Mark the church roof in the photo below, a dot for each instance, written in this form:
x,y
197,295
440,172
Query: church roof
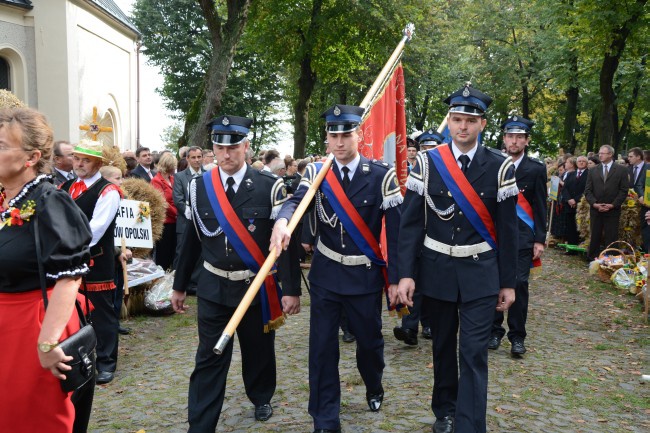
x,y
26,4
113,10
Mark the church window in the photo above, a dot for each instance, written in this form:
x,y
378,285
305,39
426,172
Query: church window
x,y
5,82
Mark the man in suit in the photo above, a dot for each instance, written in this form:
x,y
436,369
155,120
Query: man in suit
x,y
144,170
637,172
181,199
347,270
572,192
606,190
233,208
469,195
62,158
531,232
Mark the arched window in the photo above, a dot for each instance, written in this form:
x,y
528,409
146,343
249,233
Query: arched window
x,y
5,81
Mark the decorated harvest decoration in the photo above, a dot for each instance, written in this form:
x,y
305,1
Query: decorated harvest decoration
x,y
94,127
143,212
9,100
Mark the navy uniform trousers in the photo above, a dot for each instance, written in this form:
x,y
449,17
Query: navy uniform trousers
x,y
208,381
518,311
364,321
451,394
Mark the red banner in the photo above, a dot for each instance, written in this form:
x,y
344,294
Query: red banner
x,y
384,130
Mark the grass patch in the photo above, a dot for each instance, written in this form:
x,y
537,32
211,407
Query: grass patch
x,y
603,346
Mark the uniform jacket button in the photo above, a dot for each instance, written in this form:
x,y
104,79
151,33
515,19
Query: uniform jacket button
x,y
457,229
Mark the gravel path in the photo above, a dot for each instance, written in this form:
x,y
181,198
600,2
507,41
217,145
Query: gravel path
x,y
587,348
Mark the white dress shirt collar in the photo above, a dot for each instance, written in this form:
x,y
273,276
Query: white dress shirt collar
x,y
89,181
239,177
352,165
457,153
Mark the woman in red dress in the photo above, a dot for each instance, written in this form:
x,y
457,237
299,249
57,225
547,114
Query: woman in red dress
x,y
31,363
164,182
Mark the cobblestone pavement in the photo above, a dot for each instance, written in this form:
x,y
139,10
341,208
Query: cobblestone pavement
x,y
587,348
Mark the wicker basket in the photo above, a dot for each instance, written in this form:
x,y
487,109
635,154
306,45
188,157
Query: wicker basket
x,y
605,271
630,257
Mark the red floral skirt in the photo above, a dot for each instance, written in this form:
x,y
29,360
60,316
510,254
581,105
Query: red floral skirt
x,y
31,398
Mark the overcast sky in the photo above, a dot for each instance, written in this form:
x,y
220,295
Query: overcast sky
x,y
154,117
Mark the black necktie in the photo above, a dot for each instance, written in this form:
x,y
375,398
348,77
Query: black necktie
x,y
346,179
464,162
579,174
230,191
636,172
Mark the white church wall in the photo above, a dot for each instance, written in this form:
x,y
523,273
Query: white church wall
x,y
84,59
105,60
17,48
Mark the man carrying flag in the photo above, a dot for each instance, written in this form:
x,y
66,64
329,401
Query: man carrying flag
x,y
232,210
531,210
348,272
463,254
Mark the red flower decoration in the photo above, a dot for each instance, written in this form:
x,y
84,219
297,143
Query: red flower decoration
x,y
15,217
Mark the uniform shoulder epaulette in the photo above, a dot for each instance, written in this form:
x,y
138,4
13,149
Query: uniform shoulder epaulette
x,y
380,163
278,197
496,152
415,180
309,176
390,190
268,174
536,160
507,182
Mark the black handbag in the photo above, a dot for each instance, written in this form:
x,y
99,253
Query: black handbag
x,y
81,345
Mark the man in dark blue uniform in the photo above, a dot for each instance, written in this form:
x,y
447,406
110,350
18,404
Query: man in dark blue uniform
x,y
531,182
454,236
429,139
344,275
255,198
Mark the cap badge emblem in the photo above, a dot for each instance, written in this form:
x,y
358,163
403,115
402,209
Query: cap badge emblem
x,y
514,118
225,121
466,92
337,111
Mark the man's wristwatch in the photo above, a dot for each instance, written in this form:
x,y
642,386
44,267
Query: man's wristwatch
x,y
46,347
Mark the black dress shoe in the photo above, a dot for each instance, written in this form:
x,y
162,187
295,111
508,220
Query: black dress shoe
x,y
444,425
124,331
375,400
104,377
263,412
426,333
494,342
518,347
408,336
325,430
348,337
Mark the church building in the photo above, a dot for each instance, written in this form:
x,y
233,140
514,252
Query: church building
x,y
65,57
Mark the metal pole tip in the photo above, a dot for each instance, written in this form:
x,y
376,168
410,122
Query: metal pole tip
x,y
221,344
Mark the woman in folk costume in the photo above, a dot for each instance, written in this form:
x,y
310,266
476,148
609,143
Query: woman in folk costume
x,y
31,363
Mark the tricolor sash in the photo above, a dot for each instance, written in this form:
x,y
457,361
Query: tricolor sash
x,y
246,248
464,194
355,226
525,213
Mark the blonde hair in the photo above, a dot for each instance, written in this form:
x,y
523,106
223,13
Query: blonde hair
x,y
35,133
109,170
167,163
